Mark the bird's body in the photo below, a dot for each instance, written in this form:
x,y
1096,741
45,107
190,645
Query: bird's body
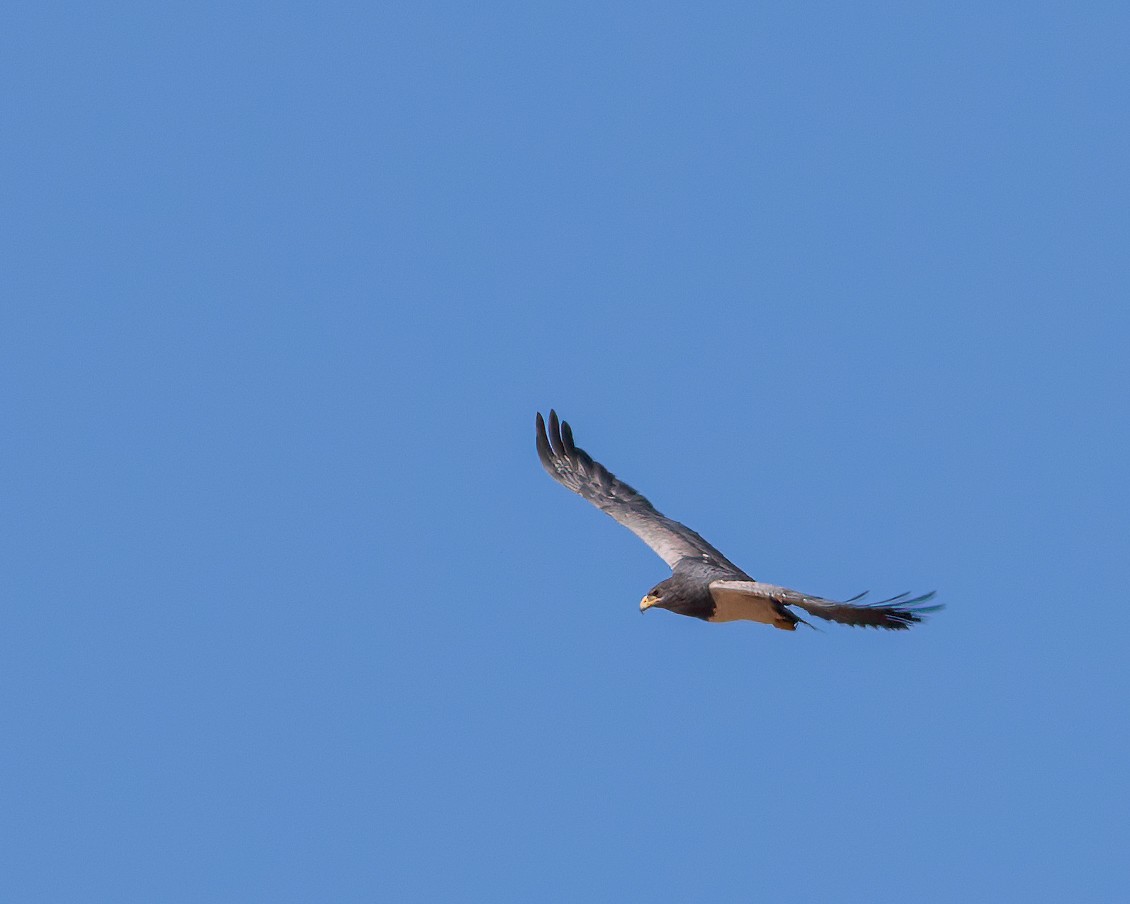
x,y
704,583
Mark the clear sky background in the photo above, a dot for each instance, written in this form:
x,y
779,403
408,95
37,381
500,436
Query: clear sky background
x,y
292,613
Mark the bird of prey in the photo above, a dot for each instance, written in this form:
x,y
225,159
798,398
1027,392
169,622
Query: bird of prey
x,y
704,583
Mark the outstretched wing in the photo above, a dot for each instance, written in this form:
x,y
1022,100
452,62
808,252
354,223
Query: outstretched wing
x,y
574,468
897,614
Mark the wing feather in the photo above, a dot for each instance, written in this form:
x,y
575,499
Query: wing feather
x,y
575,469
896,614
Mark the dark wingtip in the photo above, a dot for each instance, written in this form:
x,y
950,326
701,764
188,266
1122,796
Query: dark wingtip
x,y
910,612
567,438
897,613
544,452
555,441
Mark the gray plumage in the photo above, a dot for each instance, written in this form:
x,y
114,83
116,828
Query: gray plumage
x,y
704,583
575,469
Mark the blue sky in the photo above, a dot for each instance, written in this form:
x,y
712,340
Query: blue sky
x,y
292,613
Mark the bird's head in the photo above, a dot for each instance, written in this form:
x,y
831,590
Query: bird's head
x,y
684,593
655,596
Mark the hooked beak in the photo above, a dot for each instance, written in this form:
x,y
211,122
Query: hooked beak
x,y
647,602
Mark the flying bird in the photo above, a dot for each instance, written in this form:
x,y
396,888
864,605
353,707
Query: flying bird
x,y
704,583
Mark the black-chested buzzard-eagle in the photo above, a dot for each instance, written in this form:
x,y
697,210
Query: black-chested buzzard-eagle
x,y
704,584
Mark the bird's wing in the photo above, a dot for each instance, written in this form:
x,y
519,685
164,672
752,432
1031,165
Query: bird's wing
x,y
898,613
575,469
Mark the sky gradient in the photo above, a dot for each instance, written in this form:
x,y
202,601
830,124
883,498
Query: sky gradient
x,y
291,611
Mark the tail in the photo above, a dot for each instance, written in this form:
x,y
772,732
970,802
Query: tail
x,y
787,620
